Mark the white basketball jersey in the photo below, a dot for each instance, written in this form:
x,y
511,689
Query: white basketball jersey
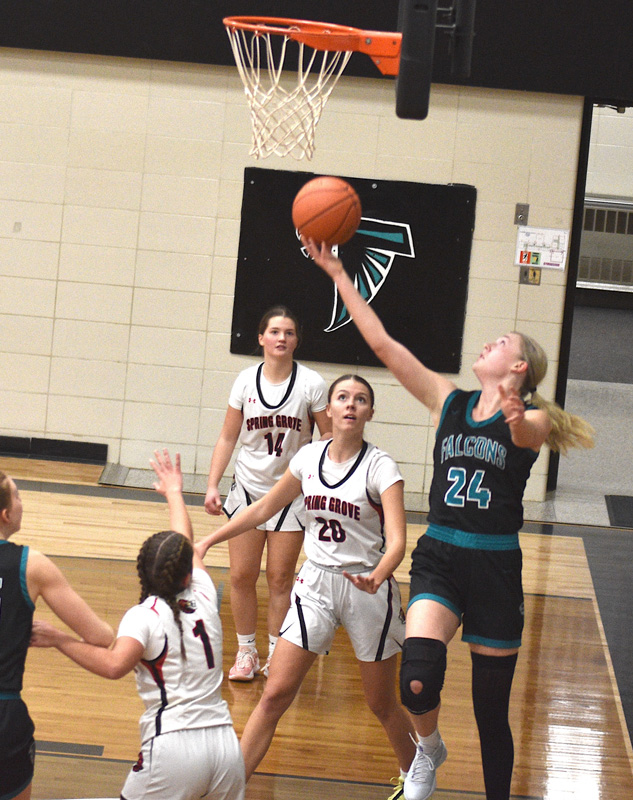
x,y
277,422
344,516
177,693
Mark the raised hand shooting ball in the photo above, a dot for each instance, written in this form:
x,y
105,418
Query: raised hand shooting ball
x,y
327,209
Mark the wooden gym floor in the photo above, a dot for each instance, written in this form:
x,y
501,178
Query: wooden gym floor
x,y
569,716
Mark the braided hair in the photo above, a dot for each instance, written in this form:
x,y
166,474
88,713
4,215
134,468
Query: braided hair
x,y
163,564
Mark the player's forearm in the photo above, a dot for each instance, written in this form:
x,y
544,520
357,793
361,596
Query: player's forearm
x,y
179,520
390,561
364,317
253,516
219,462
223,534
99,634
530,432
98,660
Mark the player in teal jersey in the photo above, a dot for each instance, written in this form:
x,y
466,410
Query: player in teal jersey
x,y
25,575
466,569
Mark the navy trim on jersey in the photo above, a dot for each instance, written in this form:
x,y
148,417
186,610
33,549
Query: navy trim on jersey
x,y
381,516
155,667
258,383
349,472
473,541
438,599
387,624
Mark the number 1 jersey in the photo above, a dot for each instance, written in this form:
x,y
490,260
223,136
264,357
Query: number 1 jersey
x,y
179,693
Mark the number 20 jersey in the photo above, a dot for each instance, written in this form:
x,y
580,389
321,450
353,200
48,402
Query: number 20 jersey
x,y
344,515
479,475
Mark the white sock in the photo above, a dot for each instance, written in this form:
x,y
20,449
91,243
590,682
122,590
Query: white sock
x,y
431,742
272,641
246,641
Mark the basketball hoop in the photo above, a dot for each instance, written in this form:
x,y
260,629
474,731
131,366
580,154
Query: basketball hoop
x,y
284,112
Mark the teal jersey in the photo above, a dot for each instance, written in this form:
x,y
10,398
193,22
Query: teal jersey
x,y
479,475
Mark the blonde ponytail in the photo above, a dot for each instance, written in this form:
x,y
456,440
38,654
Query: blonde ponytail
x,y
568,430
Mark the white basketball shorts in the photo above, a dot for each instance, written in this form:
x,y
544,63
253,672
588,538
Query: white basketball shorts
x,y
290,518
322,600
187,765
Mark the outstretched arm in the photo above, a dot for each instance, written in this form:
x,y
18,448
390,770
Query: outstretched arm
x,y
429,387
392,500
169,484
113,664
282,493
45,579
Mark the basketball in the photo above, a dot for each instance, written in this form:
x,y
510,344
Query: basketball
x,y
327,209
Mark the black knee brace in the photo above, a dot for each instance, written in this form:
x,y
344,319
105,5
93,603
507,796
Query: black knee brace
x,y
423,660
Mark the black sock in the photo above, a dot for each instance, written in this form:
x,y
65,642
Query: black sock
x,y
491,683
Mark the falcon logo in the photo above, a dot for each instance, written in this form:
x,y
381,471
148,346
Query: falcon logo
x,y
382,241
187,606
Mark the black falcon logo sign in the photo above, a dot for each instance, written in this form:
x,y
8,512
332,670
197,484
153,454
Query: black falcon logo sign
x,y
382,241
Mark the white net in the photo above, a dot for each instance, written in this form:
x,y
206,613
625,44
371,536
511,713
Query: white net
x,y
284,109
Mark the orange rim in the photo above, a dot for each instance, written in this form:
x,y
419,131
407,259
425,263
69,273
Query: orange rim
x,y
382,47
285,26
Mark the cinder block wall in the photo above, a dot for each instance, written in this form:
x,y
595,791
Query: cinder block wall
x,y
120,196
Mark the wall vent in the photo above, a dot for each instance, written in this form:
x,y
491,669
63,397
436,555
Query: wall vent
x,y
606,247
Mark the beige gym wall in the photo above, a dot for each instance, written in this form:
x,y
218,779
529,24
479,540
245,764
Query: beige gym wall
x,y
120,194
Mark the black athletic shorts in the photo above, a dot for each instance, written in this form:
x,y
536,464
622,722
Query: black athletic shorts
x,y
17,748
481,586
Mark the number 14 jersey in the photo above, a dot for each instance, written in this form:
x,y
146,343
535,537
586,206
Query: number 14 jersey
x,y
278,420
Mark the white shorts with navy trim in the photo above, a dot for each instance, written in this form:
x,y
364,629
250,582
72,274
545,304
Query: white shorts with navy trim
x,y
290,518
322,600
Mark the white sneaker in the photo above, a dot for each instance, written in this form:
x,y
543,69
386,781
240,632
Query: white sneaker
x,y
246,666
421,780
266,667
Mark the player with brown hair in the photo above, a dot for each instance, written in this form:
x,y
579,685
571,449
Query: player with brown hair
x,y
272,409
173,641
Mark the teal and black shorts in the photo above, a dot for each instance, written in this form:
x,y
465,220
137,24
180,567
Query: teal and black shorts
x,y
478,577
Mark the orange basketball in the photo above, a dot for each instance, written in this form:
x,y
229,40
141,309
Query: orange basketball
x,y
327,209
